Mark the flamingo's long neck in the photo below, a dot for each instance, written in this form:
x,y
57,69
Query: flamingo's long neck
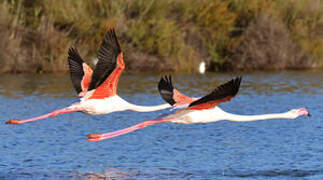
x,y
235,117
138,108
217,114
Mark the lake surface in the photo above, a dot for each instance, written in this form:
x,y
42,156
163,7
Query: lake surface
x,y
56,148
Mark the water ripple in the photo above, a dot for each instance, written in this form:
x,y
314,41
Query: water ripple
x,y
55,148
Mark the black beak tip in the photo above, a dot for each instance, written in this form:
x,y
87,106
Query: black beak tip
x,y
309,114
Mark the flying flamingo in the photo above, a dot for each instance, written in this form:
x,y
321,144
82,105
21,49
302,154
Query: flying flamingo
x,y
200,110
97,89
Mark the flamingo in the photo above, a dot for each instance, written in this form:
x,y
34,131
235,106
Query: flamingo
x,y
97,89
199,110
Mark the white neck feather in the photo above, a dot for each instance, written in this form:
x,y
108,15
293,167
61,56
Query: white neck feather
x,y
235,117
217,114
148,108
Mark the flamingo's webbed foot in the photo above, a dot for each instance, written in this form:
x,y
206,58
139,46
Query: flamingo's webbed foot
x,y
13,121
94,137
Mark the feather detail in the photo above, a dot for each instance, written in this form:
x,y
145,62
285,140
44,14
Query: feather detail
x,y
222,93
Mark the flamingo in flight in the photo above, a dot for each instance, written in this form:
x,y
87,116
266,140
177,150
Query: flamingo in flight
x,y
200,110
97,89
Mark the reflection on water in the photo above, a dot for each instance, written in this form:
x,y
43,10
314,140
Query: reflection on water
x,y
261,83
55,148
35,84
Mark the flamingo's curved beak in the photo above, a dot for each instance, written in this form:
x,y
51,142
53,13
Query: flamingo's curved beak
x,y
303,111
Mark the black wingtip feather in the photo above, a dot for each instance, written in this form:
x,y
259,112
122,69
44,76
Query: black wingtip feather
x,y
229,88
76,68
166,88
108,53
111,41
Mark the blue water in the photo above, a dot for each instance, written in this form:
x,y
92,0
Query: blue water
x,y
56,148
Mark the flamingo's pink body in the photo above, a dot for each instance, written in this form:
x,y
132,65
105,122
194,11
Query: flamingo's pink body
x,y
98,88
203,110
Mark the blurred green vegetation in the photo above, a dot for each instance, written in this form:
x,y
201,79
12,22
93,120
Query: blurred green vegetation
x,y
171,35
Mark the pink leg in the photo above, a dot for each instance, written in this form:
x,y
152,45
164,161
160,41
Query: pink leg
x,y
54,113
100,137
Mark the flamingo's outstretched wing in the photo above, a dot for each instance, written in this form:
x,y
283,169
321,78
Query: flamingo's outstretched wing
x,y
80,72
170,94
108,69
222,93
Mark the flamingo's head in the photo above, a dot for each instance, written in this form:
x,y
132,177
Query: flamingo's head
x,y
294,113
